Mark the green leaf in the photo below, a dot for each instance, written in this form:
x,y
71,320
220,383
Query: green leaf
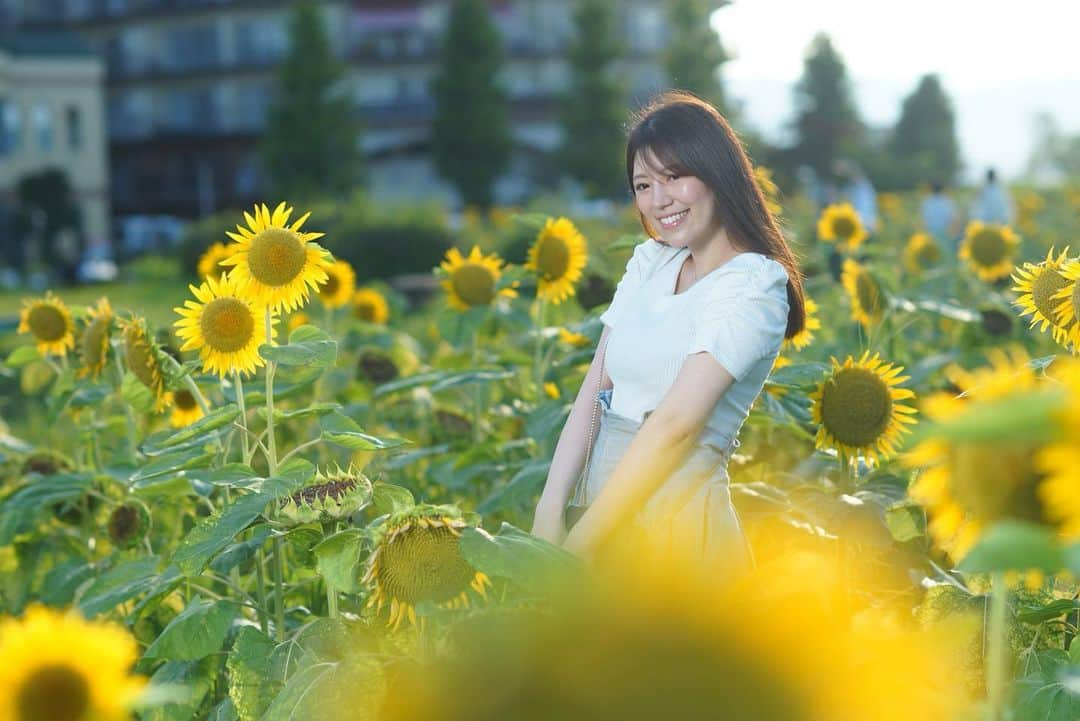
x,y
308,346
799,375
1037,614
531,562
185,681
527,481
213,534
63,580
121,583
1014,545
388,498
316,409
135,394
22,355
296,698
232,475
172,463
237,553
337,558
248,667
906,521
201,431
469,377
344,431
224,711
197,632
409,382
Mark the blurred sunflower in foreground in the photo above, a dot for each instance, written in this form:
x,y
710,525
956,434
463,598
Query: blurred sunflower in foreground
x,y
989,249
558,256
472,281
57,666
840,224
48,320
1039,285
1059,460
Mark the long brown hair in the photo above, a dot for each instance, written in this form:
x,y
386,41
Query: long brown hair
x,y
691,137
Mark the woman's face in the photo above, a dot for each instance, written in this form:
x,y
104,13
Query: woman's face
x,y
679,209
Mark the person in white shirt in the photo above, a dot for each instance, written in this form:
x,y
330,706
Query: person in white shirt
x,y
690,336
993,204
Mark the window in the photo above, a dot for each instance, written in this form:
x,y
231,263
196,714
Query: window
x,y
73,120
10,127
42,120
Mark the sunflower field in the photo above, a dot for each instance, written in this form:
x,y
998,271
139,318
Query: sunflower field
x,y
310,500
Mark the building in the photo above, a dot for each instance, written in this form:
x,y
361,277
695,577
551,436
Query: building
x,y
190,83
52,115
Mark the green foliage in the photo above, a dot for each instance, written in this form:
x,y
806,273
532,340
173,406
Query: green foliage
x,y
695,55
924,139
311,143
826,118
470,133
593,110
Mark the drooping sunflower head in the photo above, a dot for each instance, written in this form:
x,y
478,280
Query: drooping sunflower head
x,y
763,176
595,289
1038,284
277,264
989,249
921,252
370,306
94,340
558,256
472,281
840,224
127,525
185,409
967,485
225,324
331,496
1066,305
143,358
59,667
340,283
48,320
418,559
804,337
857,407
210,264
864,293
377,366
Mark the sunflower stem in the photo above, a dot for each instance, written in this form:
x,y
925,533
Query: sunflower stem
x,y
271,461
538,362
243,416
260,589
997,662
279,589
477,389
331,601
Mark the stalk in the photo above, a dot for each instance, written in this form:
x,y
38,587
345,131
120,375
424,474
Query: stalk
x,y
271,461
997,662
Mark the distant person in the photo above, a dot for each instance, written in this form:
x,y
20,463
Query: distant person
x,y
856,188
940,218
993,204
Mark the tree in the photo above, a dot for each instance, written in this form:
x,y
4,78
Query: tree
x,y
826,121
1056,155
695,54
593,110
311,144
470,133
925,135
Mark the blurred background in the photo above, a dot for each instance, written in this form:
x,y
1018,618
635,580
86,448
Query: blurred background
x,y
122,122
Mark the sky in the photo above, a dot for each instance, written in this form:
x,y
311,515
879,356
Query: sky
x,y
1000,62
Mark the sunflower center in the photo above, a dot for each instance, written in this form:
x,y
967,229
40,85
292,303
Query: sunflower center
x,y
123,522
424,564
856,407
365,310
866,292
995,481
843,227
47,323
553,258
928,254
53,693
988,247
227,324
1046,284
331,286
377,367
276,256
474,284
184,400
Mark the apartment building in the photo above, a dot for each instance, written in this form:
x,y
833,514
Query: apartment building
x,y
189,84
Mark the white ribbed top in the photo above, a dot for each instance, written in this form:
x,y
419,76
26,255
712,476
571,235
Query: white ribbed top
x,y
737,313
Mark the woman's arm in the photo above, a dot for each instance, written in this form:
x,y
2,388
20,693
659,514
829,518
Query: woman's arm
x,y
569,456
656,451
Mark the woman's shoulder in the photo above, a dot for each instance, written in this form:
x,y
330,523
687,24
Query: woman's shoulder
x,y
753,270
652,251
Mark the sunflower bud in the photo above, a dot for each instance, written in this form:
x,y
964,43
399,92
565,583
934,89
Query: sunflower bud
x,y
335,495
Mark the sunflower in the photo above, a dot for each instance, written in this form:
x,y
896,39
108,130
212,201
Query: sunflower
x,y
577,340
989,249
331,496
49,321
377,366
186,409
921,252
370,306
143,358
340,283
551,390
57,666
966,486
472,281
1066,305
275,264
225,326
1059,461
771,193
128,524
840,224
210,263
1038,285
857,407
864,293
558,257
296,320
94,340
417,559
804,337
891,204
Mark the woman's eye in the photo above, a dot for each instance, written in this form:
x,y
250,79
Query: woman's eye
x,y
640,186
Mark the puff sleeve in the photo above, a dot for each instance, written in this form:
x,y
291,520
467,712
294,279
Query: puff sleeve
x,y
741,319
638,269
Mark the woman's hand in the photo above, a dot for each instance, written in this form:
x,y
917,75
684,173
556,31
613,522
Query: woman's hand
x,y
549,524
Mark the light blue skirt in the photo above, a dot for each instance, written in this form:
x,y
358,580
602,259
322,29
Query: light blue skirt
x,y
691,512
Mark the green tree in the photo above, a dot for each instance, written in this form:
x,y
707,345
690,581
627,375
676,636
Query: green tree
x,y
826,123
311,144
925,136
470,133
695,54
593,110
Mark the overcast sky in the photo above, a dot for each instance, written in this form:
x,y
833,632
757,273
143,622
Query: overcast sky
x,y
1001,62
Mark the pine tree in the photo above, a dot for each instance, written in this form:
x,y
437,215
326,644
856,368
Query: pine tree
x,y
470,134
311,144
925,135
695,54
826,118
593,110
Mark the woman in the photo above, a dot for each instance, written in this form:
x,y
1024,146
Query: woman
x,y
690,336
